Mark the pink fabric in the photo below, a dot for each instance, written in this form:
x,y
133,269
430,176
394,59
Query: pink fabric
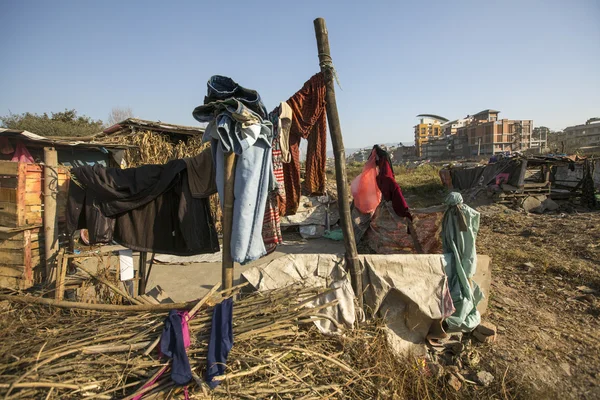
x,y
448,304
365,191
186,343
22,154
184,328
502,178
151,382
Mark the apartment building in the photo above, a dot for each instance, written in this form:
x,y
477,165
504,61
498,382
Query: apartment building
x,y
428,128
487,134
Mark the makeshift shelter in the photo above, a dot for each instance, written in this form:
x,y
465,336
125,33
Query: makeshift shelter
x,y
22,204
131,142
558,177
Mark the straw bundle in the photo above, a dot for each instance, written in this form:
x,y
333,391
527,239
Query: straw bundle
x,y
61,354
156,148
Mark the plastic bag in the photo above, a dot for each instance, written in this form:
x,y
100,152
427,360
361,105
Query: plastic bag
x,y
365,191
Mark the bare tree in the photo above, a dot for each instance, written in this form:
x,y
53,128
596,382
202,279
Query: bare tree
x,y
119,114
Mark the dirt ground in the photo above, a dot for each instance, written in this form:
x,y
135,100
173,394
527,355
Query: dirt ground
x,y
545,294
544,299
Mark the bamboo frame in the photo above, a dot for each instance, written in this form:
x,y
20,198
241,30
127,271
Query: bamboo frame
x,y
339,153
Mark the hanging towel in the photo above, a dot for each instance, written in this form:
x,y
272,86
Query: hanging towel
x,y
221,341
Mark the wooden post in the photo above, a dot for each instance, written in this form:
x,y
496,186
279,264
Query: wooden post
x,y
50,220
339,154
521,184
142,273
227,219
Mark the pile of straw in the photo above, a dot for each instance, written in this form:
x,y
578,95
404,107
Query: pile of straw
x,y
64,353
156,148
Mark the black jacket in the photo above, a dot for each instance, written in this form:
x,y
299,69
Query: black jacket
x,y
150,208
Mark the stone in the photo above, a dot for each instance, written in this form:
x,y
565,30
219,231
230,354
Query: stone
x,y
457,348
508,301
566,367
453,369
484,378
484,338
586,297
531,203
435,369
550,205
528,266
486,328
454,382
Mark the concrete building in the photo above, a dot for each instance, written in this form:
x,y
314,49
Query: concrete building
x,y
578,138
487,135
446,148
402,153
451,127
428,128
435,149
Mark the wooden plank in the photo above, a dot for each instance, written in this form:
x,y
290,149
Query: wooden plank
x,y
11,244
34,185
8,195
9,168
33,217
8,214
34,168
27,256
33,198
8,182
61,273
12,271
7,233
10,282
12,257
21,188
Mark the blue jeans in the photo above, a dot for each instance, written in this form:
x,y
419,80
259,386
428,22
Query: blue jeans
x,y
252,177
222,88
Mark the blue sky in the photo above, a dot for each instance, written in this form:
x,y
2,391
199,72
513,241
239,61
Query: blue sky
x,y
535,60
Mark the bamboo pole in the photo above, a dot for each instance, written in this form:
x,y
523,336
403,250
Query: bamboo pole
x,y
50,221
339,153
142,273
228,199
98,307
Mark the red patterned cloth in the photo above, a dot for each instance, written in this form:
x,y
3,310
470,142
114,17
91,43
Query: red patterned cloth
x,y
309,122
271,232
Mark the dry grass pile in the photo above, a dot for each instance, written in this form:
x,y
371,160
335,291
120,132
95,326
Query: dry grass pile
x,y
53,353
60,354
156,148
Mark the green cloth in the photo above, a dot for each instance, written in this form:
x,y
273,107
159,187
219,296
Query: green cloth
x,y
459,231
334,235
